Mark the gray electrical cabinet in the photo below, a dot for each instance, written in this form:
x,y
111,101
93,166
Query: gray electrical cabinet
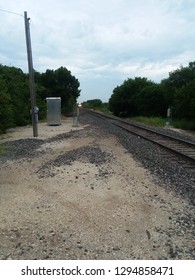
x,y
53,110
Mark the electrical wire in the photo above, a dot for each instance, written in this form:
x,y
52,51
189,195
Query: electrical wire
x,y
1,10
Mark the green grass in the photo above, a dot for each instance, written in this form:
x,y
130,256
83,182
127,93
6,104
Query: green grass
x,y
2,150
160,122
104,110
156,121
184,124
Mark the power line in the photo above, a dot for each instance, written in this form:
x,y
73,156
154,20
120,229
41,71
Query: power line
x,y
11,12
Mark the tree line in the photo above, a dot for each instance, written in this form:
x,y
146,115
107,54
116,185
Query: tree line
x,y
142,97
134,97
15,102
96,104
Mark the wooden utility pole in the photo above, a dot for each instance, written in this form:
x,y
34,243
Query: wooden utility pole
x,y
34,109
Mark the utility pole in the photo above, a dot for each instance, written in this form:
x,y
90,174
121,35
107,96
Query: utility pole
x,y
34,109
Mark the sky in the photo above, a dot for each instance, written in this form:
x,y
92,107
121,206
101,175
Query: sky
x,y
102,42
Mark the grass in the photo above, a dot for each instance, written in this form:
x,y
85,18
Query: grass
x,y
184,124
154,121
2,150
160,122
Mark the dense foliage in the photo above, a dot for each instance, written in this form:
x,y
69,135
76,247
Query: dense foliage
x,y
96,104
134,97
15,97
92,103
141,97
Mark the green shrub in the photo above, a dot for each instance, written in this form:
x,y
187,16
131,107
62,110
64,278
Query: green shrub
x,y
154,121
184,124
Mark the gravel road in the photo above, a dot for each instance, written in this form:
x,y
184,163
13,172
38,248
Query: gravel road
x,y
92,192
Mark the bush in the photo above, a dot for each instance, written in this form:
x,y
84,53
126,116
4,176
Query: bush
x,y
184,124
156,121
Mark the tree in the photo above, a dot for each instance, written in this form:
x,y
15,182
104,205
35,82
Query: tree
x,y
15,102
177,79
6,108
184,104
17,88
123,100
117,103
150,101
61,83
92,104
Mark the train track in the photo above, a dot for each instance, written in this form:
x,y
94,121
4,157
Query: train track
x,y
182,148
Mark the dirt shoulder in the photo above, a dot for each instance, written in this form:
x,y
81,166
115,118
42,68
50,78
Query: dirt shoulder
x,y
80,195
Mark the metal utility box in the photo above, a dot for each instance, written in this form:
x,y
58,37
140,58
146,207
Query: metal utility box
x,y
53,110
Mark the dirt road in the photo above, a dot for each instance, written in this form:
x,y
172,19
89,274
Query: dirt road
x,y
76,193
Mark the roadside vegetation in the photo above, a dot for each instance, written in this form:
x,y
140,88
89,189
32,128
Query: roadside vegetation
x,y
154,121
15,102
1,150
137,98
148,102
96,104
184,124
142,97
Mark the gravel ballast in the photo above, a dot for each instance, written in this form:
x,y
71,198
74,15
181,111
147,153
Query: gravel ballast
x,y
94,192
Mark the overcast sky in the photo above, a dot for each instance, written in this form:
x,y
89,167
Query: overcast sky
x,y
102,42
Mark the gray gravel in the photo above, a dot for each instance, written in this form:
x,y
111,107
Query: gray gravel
x,y
173,173
170,173
19,149
93,155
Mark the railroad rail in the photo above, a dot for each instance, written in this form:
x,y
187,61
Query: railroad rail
x,y
182,148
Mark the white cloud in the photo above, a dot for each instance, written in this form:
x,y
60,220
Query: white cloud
x,y
101,42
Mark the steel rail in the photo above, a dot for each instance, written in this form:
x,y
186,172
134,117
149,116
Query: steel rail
x,y
182,148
